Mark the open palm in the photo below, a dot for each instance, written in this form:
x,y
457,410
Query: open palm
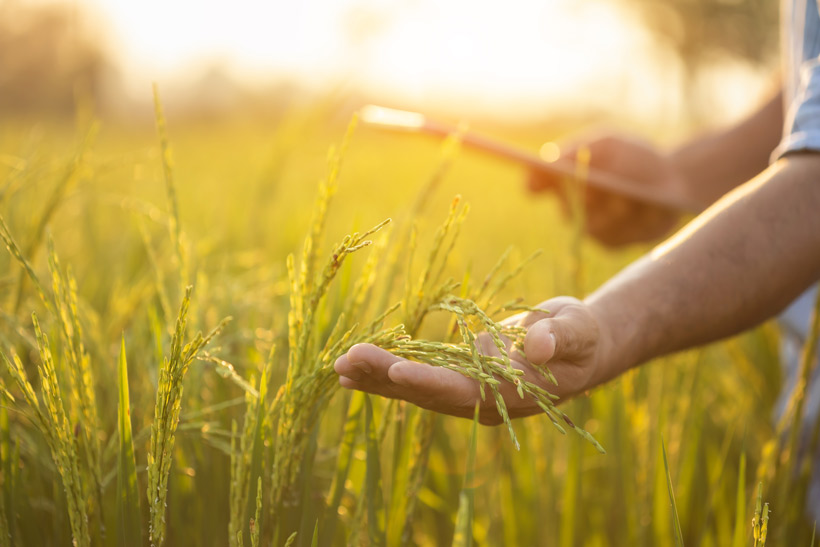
x,y
566,339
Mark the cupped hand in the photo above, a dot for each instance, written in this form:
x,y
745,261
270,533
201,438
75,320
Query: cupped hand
x,y
568,340
611,218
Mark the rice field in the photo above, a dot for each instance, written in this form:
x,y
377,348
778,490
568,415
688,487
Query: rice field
x,y
175,294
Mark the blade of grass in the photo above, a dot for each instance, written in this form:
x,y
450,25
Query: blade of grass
x,y
740,504
402,453
70,177
675,520
259,443
572,487
51,420
7,495
463,536
129,529
373,487
343,461
174,226
756,521
255,524
423,442
307,505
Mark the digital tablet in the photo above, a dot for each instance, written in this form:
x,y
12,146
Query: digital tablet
x,y
402,120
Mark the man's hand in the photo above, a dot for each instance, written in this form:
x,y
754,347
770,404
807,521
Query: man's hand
x,y
568,340
611,218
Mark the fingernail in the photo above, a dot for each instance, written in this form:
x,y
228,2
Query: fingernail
x,y
363,366
554,341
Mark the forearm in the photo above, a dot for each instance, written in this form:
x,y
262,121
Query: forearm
x,y
734,266
713,164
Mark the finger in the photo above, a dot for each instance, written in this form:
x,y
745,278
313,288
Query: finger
x,y
367,385
372,369
547,309
366,367
435,388
366,361
569,335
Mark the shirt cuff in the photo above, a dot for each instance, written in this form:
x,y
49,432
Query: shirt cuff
x,y
801,130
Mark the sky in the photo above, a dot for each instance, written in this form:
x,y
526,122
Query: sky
x,y
515,58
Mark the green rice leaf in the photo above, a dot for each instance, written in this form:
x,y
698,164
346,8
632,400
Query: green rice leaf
x,y
675,519
463,536
343,461
373,486
128,530
740,505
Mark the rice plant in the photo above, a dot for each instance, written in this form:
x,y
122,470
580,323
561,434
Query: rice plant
x,y
107,401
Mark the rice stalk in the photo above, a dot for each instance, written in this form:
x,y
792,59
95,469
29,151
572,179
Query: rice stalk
x,y
83,400
740,505
153,260
246,458
174,225
71,175
166,416
8,476
344,458
760,520
226,370
448,152
376,519
463,535
62,302
423,435
255,523
327,188
51,420
17,254
310,381
404,420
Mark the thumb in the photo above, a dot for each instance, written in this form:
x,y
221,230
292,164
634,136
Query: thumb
x,y
570,335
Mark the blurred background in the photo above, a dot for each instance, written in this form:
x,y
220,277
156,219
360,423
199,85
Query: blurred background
x,y
675,65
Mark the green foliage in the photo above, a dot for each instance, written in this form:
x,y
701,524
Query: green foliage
x,y
463,534
53,423
251,446
675,517
166,415
129,527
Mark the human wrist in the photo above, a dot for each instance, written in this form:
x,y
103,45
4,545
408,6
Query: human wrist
x,y
624,340
609,359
